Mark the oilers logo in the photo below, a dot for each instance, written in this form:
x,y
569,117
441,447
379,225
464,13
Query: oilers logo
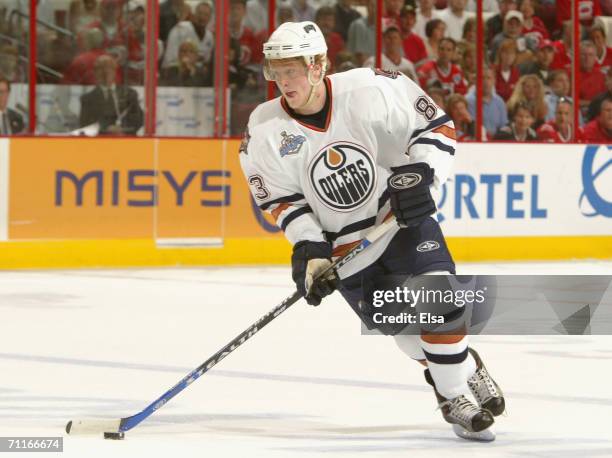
x,y
343,176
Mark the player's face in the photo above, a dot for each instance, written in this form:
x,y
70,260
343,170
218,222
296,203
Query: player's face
x,y
4,95
563,115
292,80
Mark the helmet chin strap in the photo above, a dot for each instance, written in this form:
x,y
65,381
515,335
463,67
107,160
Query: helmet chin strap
x,y
313,86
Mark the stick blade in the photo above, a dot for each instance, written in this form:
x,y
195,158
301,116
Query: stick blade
x,y
93,426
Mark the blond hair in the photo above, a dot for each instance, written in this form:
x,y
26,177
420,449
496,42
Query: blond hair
x,y
537,106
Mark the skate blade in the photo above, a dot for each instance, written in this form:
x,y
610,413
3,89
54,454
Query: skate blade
x,y
486,435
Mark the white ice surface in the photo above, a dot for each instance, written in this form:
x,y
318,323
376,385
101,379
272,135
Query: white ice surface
x,y
106,343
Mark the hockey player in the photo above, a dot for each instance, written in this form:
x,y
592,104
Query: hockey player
x,y
332,158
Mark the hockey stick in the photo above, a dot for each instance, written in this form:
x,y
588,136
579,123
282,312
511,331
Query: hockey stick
x,y
114,429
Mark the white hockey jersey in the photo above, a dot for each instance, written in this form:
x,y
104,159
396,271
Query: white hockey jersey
x,y
331,184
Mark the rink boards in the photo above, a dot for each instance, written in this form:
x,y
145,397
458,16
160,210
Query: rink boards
x,y
134,202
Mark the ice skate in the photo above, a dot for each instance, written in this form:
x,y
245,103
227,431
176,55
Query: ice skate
x,y
469,420
487,393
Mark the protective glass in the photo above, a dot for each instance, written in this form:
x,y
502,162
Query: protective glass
x,y
282,72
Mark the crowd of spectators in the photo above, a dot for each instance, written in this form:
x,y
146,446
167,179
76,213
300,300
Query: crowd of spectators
x,y
527,68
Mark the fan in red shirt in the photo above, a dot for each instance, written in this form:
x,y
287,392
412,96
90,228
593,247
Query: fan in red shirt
x,y
563,60
443,71
597,33
111,24
600,129
592,80
507,73
251,44
559,130
326,20
414,47
587,10
533,27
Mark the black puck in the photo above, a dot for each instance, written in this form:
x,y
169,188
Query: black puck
x,y
114,436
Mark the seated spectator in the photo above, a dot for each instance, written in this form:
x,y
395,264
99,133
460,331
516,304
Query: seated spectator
x,y
239,75
534,29
345,15
136,46
391,13
541,66
344,61
529,91
435,30
362,35
10,66
425,13
488,6
468,64
195,30
595,105
414,48
494,111
114,107
284,13
512,30
251,45
495,24
326,20
81,69
599,130
597,34
171,12
469,31
454,17
391,58
11,122
559,84
563,58
559,130
465,126
303,10
257,15
189,69
520,129
81,13
437,94
113,27
506,72
443,70
588,10
592,80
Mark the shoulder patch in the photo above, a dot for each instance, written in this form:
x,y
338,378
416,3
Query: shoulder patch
x,y
393,74
245,142
290,144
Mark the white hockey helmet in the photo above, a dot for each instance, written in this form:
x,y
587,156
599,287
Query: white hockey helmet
x,y
295,39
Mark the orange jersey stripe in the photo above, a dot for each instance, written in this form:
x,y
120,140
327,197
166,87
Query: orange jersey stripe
x,y
446,131
278,210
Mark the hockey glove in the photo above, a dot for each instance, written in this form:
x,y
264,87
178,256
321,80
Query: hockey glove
x,y
411,200
308,261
